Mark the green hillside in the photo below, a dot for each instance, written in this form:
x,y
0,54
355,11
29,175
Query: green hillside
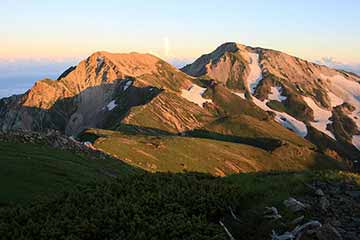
x,y
204,154
47,193
29,170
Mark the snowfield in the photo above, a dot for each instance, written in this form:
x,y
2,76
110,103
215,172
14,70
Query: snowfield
x,y
348,91
321,117
335,100
127,85
291,123
255,75
194,94
356,141
284,119
99,62
111,105
276,94
254,78
242,95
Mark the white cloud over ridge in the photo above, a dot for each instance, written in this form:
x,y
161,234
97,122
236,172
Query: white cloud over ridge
x,y
333,63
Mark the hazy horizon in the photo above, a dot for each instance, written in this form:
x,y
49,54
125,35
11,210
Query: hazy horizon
x,y
18,75
41,38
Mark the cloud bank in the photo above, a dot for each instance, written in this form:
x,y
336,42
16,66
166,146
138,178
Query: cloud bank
x,y
18,75
333,63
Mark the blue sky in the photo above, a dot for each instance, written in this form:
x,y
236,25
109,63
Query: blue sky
x,y
66,31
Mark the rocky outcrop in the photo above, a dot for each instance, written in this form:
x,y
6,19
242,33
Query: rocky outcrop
x,y
53,139
199,67
334,204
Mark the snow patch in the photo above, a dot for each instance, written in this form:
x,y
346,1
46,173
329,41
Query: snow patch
x,y
348,91
335,100
321,117
242,95
254,78
255,74
356,141
127,85
276,94
194,94
99,62
284,119
291,123
262,104
111,105
89,145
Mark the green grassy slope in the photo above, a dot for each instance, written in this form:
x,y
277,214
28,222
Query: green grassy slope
x,y
248,126
176,154
27,170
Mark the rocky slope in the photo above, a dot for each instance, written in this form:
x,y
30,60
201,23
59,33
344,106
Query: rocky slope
x,y
88,95
317,102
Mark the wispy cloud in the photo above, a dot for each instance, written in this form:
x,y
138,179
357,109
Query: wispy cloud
x,y
166,47
31,66
180,62
333,63
6,92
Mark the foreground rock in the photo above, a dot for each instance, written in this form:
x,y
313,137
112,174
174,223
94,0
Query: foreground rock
x,y
53,139
338,210
326,210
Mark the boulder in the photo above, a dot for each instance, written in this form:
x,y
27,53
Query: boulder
x,y
319,192
294,205
324,203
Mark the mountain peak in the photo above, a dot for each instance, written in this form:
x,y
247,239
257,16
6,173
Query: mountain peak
x,y
198,68
131,64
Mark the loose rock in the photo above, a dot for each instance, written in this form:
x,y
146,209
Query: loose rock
x,y
294,205
328,232
324,203
319,192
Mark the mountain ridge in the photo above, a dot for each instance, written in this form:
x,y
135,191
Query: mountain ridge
x,y
236,91
295,78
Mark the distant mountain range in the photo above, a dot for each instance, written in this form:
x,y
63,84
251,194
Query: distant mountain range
x,y
236,109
